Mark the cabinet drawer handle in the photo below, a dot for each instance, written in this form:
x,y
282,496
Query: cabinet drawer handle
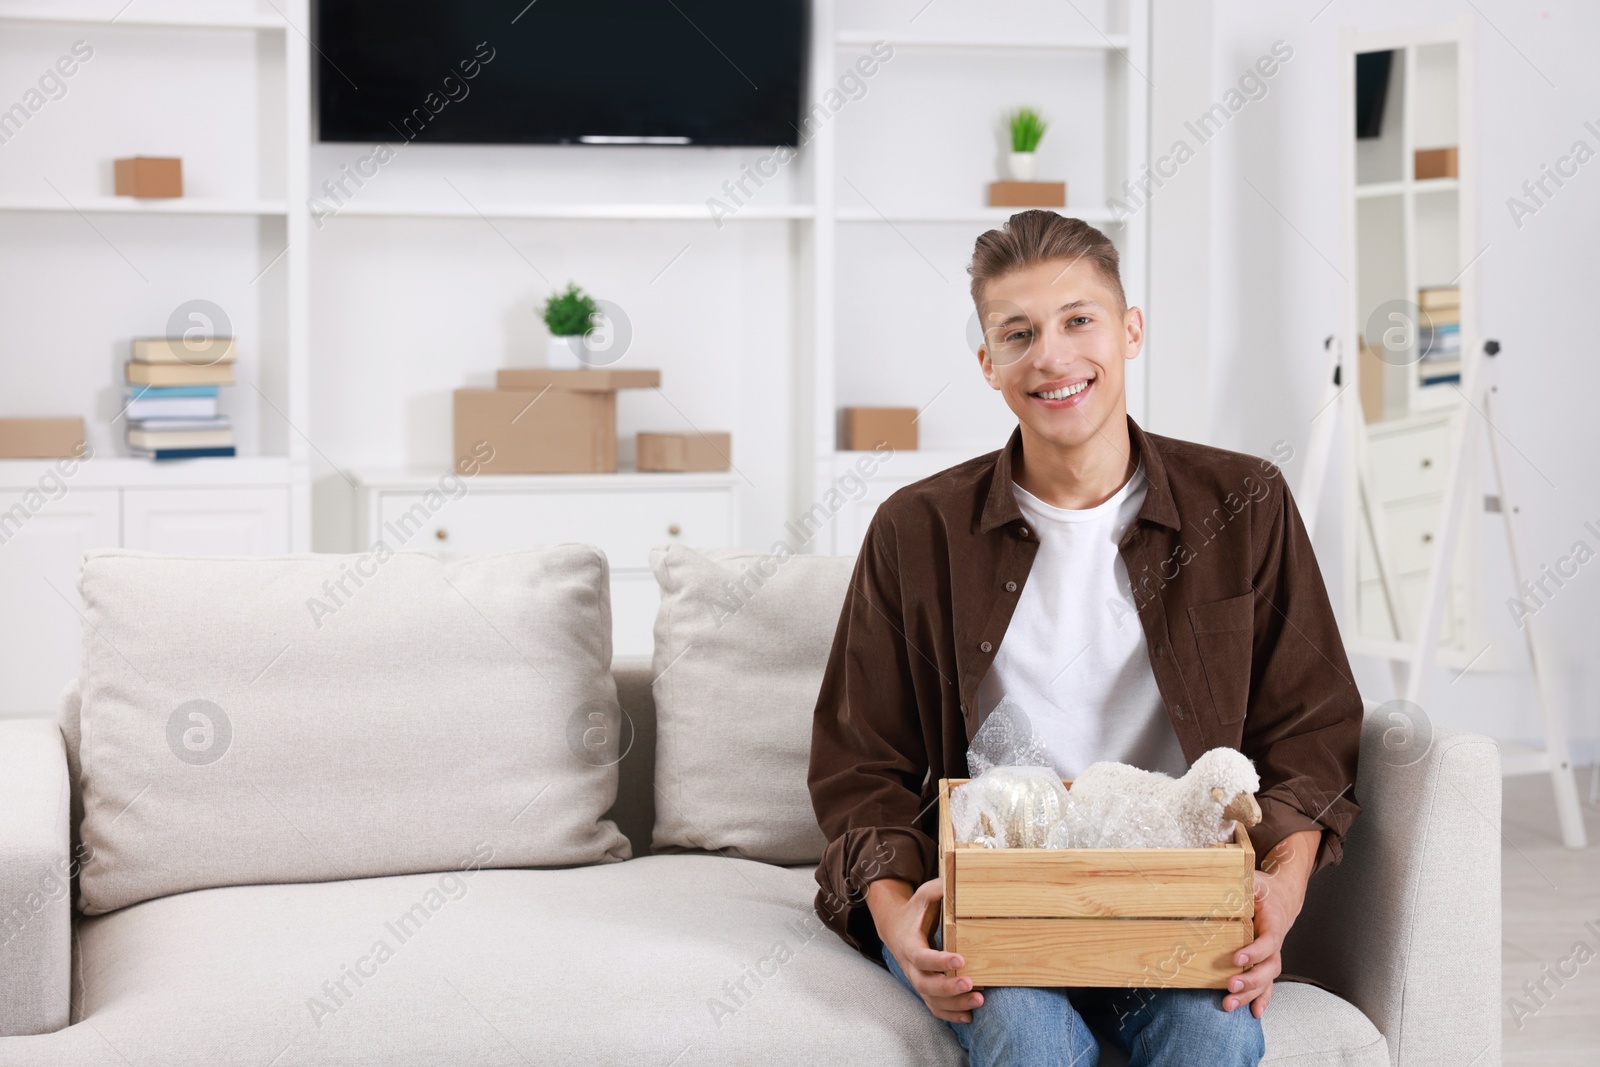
x,y
1426,538
674,530
441,533
1426,462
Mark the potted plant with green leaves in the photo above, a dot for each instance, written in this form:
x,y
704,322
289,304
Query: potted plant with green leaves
x,y
569,315
1027,129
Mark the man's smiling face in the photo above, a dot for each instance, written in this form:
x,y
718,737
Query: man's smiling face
x,y
1055,340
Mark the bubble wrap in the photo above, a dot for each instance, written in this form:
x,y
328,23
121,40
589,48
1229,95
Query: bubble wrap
x,y
1117,822
1015,799
1008,807
1006,739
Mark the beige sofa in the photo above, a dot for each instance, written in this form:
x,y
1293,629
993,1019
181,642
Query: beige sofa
x,y
200,955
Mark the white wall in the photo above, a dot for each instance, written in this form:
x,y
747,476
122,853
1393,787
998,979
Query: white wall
x,y
1276,290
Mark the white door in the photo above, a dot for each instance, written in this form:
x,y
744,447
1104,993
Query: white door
x,y
207,522
42,543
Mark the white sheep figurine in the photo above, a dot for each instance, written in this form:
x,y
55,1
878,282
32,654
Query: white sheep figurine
x,y
1147,809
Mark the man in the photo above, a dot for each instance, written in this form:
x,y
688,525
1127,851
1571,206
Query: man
x,y
1143,599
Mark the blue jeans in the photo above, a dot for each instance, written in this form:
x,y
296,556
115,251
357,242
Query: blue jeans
x,y
1044,1027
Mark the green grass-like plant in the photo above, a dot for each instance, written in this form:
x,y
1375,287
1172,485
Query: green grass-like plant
x,y
570,312
1027,129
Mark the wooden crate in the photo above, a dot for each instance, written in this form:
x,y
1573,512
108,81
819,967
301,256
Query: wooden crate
x,y
1152,917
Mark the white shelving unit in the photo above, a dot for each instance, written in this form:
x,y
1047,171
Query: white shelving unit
x,y
1108,56
82,272
1082,66
273,383
820,233
1402,234
1104,48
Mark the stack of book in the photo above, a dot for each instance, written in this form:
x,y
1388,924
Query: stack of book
x,y
172,397
1439,335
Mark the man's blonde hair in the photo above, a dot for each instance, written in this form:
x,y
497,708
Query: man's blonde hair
x,y
1034,236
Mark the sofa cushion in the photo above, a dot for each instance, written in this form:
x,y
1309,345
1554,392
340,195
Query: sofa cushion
x,y
688,959
304,718
741,640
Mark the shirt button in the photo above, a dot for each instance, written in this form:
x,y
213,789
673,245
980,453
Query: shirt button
x,y
1023,531
1011,587
1161,650
1178,710
986,647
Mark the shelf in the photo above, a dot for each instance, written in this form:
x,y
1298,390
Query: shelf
x,y
1425,185
625,212
1111,43
116,472
1436,185
133,20
968,215
691,212
124,205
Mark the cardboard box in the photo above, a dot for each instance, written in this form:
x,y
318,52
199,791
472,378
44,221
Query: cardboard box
x,y
1148,917
1027,194
150,176
590,381
41,438
537,431
691,451
1374,375
1435,163
864,429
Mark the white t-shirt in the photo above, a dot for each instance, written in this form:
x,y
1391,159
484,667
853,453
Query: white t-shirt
x,y
1074,657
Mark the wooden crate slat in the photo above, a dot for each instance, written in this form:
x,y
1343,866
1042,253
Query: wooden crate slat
x,y
1103,882
1158,953
947,870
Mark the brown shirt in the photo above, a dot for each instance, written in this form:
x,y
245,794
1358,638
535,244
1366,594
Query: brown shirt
x,y
1243,644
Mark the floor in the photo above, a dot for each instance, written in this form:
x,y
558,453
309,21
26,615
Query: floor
x,y
1550,892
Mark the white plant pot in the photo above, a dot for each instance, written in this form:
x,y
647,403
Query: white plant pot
x,y
563,353
1022,166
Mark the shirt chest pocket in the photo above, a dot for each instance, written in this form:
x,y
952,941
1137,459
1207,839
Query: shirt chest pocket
x,y
1223,632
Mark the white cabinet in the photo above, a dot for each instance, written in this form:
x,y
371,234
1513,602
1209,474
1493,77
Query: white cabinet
x,y
42,539
1408,459
624,515
53,511
207,522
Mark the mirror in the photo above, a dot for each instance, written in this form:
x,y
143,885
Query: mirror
x,y
1410,302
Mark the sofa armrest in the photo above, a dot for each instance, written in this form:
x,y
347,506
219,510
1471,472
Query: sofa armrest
x,y
1407,926
35,878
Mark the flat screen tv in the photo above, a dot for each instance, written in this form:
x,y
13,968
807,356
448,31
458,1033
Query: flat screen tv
x,y
701,72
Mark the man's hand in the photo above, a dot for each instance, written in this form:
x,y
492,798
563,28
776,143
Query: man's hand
x,y
903,923
1280,892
